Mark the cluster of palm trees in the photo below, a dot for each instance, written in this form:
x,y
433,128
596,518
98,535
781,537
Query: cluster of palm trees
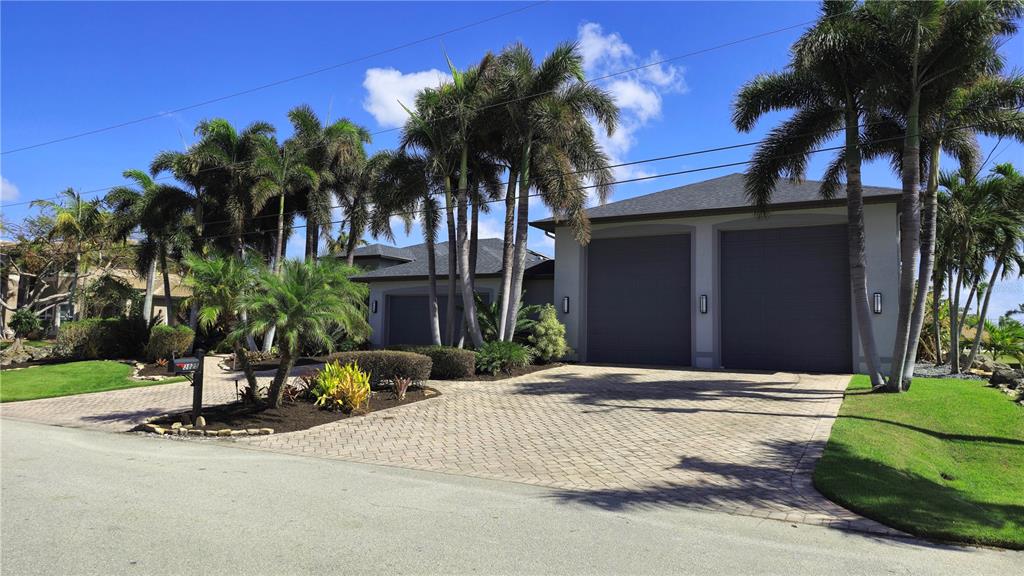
x,y
903,82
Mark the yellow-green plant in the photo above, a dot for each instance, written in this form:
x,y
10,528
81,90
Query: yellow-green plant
x,y
340,387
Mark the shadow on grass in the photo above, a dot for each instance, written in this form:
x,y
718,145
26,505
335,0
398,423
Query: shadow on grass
x,y
939,435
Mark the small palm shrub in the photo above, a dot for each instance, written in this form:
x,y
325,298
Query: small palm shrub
x,y
548,338
448,362
345,388
24,322
386,365
495,357
169,342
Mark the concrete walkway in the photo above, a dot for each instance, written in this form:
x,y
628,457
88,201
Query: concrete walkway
x,y
610,437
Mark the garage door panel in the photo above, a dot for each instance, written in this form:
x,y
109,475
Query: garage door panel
x,y
409,317
786,299
638,300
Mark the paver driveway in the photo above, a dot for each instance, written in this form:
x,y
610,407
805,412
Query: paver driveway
x,y
613,437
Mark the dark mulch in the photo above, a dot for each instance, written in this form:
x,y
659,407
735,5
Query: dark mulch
x,y
291,416
482,377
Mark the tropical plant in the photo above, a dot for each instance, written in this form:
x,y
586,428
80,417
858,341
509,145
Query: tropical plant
x,y
303,303
546,141
280,172
345,388
500,356
826,82
76,223
24,322
386,365
548,337
401,386
489,317
1006,339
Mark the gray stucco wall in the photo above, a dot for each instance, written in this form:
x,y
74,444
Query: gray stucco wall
x,y
882,251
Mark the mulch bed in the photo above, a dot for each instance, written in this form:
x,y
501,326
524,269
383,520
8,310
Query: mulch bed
x,y
154,369
481,377
291,416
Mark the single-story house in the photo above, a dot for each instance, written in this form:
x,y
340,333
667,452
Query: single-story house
x,y
692,276
397,278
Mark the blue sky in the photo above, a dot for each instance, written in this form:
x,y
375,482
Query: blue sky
x,y
74,67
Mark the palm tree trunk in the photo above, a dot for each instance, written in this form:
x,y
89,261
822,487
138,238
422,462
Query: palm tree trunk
x,y
73,293
468,297
984,310
474,240
435,321
147,302
855,239
936,308
929,215
522,232
909,235
962,319
954,323
507,252
268,336
312,238
449,208
243,361
168,300
276,393
350,243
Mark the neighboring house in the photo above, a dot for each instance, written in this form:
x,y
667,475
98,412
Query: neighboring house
x,y
692,276
397,278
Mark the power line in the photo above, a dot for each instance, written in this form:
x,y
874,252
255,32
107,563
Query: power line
x,y
487,106
278,82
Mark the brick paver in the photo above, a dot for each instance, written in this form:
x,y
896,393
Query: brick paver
x,y
613,437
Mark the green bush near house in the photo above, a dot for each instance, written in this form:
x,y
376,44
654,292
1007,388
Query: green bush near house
x,y
169,342
943,460
68,379
24,322
101,338
448,362
548,337
386,365
495,357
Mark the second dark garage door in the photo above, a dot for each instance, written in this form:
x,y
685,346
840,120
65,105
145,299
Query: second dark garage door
x,y
786,299
638,300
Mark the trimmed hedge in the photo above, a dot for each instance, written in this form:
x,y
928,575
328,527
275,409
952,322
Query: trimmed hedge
x,y
449,363
386,365
169,341
101,339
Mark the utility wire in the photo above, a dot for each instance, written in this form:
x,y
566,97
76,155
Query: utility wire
x,y
278,82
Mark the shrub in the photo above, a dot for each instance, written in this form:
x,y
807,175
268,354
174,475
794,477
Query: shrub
x,y
449,363
386,365
169,342
340,387
101,338
24,322
494,357
400,386
548,337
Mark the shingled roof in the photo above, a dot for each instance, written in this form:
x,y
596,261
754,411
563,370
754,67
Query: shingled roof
x,y
384,251
488,262
724,194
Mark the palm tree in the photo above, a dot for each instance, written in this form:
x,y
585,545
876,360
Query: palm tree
x,y
544,111
332,151
826,83
217,283
280,172
304,302
924,52
77,222
355,191
1006,189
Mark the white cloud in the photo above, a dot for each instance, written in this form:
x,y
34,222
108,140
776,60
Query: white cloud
x,y
386,87
639,92
8,190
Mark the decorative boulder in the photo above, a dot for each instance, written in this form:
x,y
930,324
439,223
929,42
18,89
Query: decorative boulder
x,y
1007,377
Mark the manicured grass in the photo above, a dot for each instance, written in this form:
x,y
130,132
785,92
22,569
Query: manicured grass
x,y
67,379
945,460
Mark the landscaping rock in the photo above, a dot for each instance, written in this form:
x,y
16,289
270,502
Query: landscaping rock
x,y
18,353
224,432
1006,376
200,421
265,431
176,425
252,431
194,432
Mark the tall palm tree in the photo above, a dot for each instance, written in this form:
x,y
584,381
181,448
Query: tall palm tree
x,y
826,83
333,151
217,283
303,303
280,172
77,222
1006,192
545,110
923,52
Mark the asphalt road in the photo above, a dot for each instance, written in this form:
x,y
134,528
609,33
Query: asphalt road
x,y
85,502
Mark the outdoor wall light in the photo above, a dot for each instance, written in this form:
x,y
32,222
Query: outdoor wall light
x,y
373,307
703,303
565,305
876,302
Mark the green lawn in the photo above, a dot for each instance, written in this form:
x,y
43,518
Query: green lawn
x,y
67,379
945,460
36,343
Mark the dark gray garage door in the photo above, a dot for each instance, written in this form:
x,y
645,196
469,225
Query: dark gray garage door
x,y
786,299
638,300
409,321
